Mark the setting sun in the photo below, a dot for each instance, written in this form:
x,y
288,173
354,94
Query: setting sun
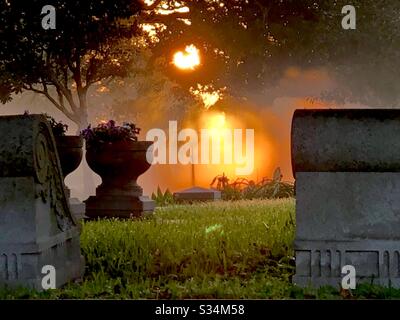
x,y
188,59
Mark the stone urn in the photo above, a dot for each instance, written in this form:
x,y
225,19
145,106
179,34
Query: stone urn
x,y
70,152
69,149
119,164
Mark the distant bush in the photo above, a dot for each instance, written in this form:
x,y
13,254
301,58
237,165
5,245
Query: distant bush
x,y
242,188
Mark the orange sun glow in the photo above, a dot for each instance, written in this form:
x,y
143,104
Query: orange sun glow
x,y
188,59
207,94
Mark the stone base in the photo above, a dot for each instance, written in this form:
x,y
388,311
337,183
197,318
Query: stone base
x,y
123,206
319,263
347,218
21,264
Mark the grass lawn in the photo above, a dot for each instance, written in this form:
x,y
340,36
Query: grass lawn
x,y
228,250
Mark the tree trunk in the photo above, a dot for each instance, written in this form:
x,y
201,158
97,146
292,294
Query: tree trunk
x,y
83,113
88,175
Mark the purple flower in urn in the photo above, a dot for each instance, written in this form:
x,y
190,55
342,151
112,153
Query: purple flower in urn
x,y
108,132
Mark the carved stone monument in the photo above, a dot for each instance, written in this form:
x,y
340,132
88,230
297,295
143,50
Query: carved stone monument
x,y
347,169
36,225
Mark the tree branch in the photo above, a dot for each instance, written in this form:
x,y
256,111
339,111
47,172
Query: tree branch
x,y
45,92
60,87
65,91
265,13
163,18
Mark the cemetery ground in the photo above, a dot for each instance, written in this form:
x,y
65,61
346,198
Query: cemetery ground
x,y
221,250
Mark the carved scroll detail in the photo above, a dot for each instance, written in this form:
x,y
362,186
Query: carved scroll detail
x,y
49,176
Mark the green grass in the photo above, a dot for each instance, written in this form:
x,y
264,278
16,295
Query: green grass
x,y
240,249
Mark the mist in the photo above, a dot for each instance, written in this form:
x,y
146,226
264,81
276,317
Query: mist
x,y
268,112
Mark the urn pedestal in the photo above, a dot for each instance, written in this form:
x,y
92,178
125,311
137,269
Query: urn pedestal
x,y
119,164
69,149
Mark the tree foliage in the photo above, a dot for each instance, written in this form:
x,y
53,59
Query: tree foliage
x,y
248,45
245,45
93,40
364,61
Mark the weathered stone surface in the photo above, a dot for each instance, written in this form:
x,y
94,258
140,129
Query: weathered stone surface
x,y
197,194
346,140
36,225
347,170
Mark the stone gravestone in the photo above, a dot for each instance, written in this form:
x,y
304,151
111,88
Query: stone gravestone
x,y
36,225
196,194
347,169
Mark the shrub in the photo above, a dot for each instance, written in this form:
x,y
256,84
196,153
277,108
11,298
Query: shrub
x,y
243,188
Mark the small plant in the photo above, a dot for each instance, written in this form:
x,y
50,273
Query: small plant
x,y
109,132
243,188
163,199
58,128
